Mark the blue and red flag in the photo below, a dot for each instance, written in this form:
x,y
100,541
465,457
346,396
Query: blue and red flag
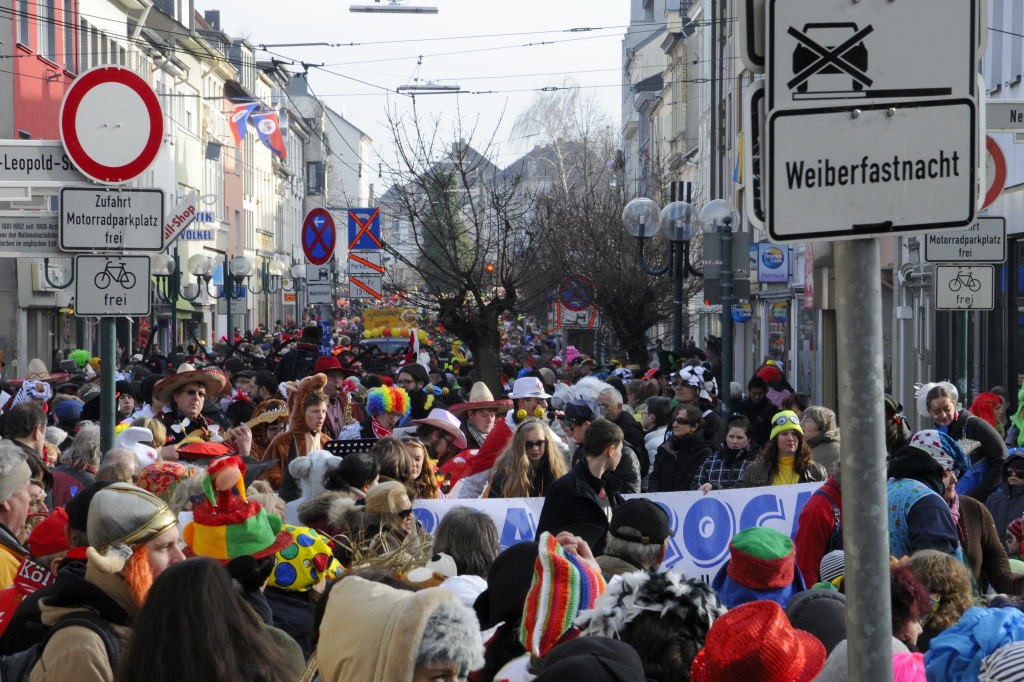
x,y
240,120
268,125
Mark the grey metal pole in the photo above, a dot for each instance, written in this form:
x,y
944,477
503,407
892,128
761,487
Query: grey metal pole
x,y
678,274
865,520
108,363
725,231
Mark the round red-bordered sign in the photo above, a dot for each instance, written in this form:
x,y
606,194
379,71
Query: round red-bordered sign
x,y
319,236
111,124
997,178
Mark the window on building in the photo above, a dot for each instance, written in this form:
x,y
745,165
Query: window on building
x,y
314,177
23,17
48,29
68,26
101,57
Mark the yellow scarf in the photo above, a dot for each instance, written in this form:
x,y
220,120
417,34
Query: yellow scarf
x,y
785,475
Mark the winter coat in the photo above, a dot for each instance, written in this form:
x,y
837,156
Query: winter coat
x,y
992,450
652,441
678,461
825,450
293,614
1007,502
574,499
633,434
322,513
77,653
815,528
983,548
12,553
758,474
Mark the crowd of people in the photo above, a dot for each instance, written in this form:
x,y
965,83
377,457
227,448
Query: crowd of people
x,y
276,511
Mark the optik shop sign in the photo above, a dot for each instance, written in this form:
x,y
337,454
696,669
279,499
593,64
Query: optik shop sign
x,y
772,264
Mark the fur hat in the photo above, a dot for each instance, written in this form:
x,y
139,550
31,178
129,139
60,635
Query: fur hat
x,y
213,379
690,601
786,420
310,470
755,642
122,517
761,566
452,635
562,587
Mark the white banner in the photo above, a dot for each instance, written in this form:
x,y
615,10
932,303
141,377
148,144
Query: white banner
x,y
703,524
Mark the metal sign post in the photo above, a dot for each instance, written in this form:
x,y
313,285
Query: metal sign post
x,y
865,507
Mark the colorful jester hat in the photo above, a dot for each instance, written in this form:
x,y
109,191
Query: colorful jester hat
x,y
226,525
307,560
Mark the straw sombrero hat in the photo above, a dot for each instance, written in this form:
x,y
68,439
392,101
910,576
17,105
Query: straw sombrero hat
x,y
212,378
480,398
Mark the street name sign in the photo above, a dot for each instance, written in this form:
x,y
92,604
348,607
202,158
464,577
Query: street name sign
x,y
28,234
111,124
36,163
965,287
897,167
1004,115
98,219
842,52
982,242
108,286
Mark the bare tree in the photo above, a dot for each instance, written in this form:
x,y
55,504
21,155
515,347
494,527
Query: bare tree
x,y
463,235
579,210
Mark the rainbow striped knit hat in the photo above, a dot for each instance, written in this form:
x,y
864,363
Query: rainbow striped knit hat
x,y
562,587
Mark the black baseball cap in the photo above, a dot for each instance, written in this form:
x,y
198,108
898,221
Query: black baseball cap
x,y
579,411
640,520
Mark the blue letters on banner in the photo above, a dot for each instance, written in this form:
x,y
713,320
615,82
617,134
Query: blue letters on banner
x,y
703,524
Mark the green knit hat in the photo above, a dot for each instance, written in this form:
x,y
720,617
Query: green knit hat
x,y
762,558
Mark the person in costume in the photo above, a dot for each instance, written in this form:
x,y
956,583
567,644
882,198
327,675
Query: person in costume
x,y
385,405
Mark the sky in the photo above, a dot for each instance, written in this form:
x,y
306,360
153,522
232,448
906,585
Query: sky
x,y
500,54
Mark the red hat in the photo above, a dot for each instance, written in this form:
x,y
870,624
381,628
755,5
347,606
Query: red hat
x,y
326,364
202,450
755,642
48,537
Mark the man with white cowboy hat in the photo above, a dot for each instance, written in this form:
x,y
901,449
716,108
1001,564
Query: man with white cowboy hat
x,y
183,395
479,413
529,399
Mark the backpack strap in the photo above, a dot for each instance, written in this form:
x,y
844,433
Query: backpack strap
x,y
836,516
97,624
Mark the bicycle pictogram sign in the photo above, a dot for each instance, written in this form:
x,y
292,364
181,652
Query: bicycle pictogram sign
x,y
114,272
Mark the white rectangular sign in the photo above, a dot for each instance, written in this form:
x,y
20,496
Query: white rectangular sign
x,y
365,262
982,242
103,219
318,284
107,286
27,233
965,287
846,172
37,163
1004,115
366,286
839,52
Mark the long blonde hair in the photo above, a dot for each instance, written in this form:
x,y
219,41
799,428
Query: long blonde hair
x,y
513,465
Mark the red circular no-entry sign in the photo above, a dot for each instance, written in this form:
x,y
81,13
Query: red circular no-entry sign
x,y
995,171
111,124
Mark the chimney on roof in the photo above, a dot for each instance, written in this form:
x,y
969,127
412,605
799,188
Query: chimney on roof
x,y
212,17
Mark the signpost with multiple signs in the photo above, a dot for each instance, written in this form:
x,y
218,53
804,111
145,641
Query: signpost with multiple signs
x,y
365,260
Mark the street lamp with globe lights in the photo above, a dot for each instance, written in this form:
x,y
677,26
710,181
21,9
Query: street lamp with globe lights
x,y
719,217
642,219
